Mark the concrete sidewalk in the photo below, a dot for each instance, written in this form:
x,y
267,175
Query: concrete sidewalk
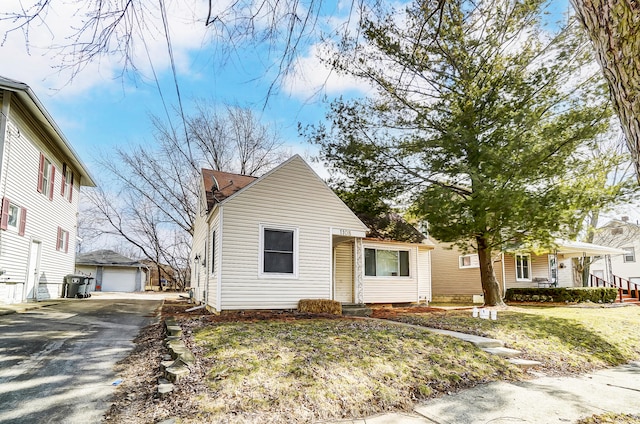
x,y
541,401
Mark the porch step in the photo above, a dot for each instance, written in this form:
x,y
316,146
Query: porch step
x,y
355,310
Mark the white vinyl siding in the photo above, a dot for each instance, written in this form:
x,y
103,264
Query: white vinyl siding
x,y
290,196
19,177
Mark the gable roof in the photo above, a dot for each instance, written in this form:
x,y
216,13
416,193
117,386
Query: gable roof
x,y
27,97
219,185
240,183
106,258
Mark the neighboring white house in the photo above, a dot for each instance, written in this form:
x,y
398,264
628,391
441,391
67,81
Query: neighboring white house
x,y
456,275
40,179
266,243
112,272
625,235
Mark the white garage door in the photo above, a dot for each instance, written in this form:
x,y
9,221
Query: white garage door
x,y
119,280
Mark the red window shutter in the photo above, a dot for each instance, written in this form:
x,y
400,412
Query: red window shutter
x,y
51,182
64,179
41,174
71,189
66,241
59,238
23,221
4,220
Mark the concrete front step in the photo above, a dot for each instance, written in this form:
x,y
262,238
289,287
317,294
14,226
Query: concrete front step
x,y
505,352
355,310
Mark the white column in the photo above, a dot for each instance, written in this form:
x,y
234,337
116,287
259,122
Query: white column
x,y
359,271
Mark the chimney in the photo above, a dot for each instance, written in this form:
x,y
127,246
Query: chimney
x,y
625,219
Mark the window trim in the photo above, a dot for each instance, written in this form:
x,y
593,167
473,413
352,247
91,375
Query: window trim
x,y
524,255
21,219
296,253
66,185
46,183
376,249
631,251
471,261
62,243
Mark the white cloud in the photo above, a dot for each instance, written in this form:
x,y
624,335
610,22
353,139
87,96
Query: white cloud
x,y
312,77
39,64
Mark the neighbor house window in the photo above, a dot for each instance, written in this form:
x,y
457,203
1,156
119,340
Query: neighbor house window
x,y
63,240
386,263
13,217
66,188
46,175
468,261
523,267
278,251
630,256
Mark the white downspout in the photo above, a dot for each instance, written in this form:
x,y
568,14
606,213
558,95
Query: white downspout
x,y
219,274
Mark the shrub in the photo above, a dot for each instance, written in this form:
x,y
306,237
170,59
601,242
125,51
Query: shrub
x,y
563,294
320,306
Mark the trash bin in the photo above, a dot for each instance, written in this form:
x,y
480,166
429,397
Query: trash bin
x,y
71,285
82,288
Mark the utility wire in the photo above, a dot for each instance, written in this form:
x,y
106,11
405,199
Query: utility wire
x,y
163,12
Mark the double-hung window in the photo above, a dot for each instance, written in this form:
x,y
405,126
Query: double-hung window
x,y
468,261
630,256
46,175
523,267
63,240
66,188
13,217
279,256
386,263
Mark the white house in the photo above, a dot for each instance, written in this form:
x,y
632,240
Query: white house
x,y
266,243
40,179
112,272
623,234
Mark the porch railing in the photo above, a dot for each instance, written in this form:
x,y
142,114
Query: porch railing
x,y
626,288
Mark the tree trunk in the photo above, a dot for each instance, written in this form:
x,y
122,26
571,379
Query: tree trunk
x,y
612,26
490,286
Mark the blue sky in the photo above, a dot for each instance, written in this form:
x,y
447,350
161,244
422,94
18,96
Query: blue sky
x,y
98,109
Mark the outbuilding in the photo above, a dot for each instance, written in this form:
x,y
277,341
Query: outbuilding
x,y
112,272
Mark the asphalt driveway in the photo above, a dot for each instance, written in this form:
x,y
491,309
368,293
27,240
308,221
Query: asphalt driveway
x,y
56,363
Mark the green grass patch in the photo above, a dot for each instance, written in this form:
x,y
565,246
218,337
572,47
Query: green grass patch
x,y
306,370
564,339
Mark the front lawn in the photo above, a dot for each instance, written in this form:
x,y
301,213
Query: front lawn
x,y
564,339
314,369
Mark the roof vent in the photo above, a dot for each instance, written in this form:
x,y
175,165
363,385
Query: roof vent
x,y
625,219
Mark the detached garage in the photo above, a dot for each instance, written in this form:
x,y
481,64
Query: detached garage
x,y
112,271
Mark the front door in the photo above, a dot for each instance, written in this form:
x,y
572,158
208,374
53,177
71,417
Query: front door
x,y
343,272
33,271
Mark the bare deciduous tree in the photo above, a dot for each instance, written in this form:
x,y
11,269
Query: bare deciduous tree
x,y
153,200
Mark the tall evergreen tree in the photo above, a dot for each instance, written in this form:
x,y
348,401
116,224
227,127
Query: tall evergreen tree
x,y
483,118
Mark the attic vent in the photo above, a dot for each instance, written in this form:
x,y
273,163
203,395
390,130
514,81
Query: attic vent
x,y
616,231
